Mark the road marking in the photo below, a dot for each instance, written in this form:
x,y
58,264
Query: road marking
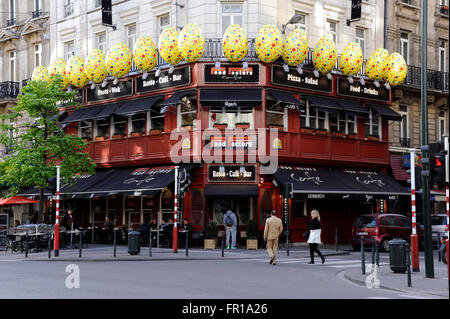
x,y
352,265
415,297
378,298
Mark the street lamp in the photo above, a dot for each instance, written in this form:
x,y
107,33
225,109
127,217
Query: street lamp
x,y
296,18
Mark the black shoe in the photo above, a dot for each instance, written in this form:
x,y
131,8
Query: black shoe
x,y
311,263
271,260
274,264
323,260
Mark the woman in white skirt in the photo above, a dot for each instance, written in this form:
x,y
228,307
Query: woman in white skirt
x,y
314,236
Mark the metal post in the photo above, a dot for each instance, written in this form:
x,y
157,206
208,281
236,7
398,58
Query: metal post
x,y
187,242
175,214
81,243
26,244
447,195
150,244
408,264
414,237
439,246
56,233
49,243
115,241
363,257
385,24
429,268
223,244
377,254
287,242
373,251
336,238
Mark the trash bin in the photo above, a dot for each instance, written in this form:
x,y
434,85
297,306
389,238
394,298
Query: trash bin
x,y
134,244
397,255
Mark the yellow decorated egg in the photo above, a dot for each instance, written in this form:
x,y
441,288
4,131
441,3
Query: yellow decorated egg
x,y
40,73
376,64
295,47
234,43
59,67
145,55
396,69
118,60
95,67
325,55
351,59
75,72
269,43
168,46
191,42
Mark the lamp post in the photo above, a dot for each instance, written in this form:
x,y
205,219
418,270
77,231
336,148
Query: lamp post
x,y
293,20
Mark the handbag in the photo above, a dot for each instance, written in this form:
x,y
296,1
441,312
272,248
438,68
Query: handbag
x,y
306,234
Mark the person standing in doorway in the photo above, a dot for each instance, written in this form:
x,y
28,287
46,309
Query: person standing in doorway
x,y
272,231
314,236
230,224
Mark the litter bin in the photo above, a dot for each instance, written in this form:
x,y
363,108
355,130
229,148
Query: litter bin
x,y
134,244
397,254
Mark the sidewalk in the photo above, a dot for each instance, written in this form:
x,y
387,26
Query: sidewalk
x,y
437,286
103,253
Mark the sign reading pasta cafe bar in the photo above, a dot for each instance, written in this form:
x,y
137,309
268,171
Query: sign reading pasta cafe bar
x,y
368,91
180,76
232,173
307,80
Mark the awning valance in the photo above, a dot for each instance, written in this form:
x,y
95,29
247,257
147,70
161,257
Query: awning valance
x,y
246,97
138,105
83,114
177,96
108,110
385,111
224,190
353,108
286,98
323,104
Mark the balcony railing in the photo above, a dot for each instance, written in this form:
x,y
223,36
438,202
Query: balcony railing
x,y
11,22
36,14
9,90
436,80
405,142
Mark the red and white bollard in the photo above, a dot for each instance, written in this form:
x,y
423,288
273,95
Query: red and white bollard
x,y
175,215
56,232
414,237
447,184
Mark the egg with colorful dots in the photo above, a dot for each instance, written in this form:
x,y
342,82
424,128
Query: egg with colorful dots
x,y
191,42
295,47
325,55
59,67
75,72
118,60
234,43
40,73
145,54
269,43
376,64
95,67
168,46
396,70
351,59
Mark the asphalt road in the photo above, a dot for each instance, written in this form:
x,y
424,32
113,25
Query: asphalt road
x,y
250,278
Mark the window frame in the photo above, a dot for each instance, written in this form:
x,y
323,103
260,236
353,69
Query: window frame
x,y
442,123
180,113
99,44
129,36
69,8
37,54
13,67
304,25
284,113
237,119
404,41
162,27
67,51
149,121
343,119
373,121
96,126
81,127
332,34
359,39
401,124
442,60
131,121
232,15
114,123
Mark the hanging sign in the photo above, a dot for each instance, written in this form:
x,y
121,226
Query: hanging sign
x,y
231,74
110,91
368,91
305,81
232,173
180,76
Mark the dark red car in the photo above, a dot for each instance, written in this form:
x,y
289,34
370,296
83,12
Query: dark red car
x,y
389,226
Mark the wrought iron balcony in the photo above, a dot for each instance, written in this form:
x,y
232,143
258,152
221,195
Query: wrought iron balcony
x,y
9,90
405,142
36,14
436,80
11,22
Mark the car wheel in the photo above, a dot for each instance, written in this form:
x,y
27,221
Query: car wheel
x,y
444,255
384,245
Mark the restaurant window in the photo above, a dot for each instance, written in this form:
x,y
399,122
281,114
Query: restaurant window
x,y
98,211
69,49
148,207
187,112
156,118
442,125
276,114
298,208
37,54
133,211
100,39
342,122
102,128
360,38
85,130
266,204
373,125
404,46
12,66
119,125
223,115
442,56
332,30
403,111
197,211
231,14
137,123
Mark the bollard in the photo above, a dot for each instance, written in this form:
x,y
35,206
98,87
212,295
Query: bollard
x,y
115,241
187,243
408,263
49,244
223,244
373,251
26,245
81,243
150,245
363,257
336,239
377,254
287,242
439,246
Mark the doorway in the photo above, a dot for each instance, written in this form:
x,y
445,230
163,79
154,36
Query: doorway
x,y
243,207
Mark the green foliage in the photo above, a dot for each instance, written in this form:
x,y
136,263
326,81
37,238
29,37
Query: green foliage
x,y
252,229
40,143
211,230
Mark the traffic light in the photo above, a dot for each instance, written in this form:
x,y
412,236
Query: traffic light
x,y
418,176
437,166
51,185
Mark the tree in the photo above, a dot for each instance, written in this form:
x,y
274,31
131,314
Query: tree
x,y
39,144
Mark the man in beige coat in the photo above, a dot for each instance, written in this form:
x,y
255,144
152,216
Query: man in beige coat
x,y
273,230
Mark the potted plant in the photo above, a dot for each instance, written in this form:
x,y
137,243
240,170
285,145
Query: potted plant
x,y
136,133
277,126
100,137
242,125
220,126
351,135
307,130
117,136
321,131
337,133
187,126
373,137
155,131
86,139
211,232
252,234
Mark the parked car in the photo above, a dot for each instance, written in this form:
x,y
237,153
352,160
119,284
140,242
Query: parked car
x,y
443,248
438,223
389,226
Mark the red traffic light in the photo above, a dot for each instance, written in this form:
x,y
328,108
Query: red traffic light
x,y
438,162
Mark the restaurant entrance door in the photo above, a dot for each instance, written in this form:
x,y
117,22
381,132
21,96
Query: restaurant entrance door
x,y
243,207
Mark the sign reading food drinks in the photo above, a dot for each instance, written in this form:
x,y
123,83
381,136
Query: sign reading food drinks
x,y
368,91
231,74
307,80
232,173
180,76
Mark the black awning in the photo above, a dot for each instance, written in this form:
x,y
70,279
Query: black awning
x,y
314,180
323,104
385,111
231,97
353,108
224,190
108,110
138,105
286,98
177,96
83,114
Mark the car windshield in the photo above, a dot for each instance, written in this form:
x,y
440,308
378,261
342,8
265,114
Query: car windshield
x,y
366,221
439,220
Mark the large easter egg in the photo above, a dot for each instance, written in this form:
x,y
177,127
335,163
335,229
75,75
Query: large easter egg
x,y
234,43
269,43
75,72
396,69
145,55
351,59
191,42
376,64
168,46
40,73
325,55
59,67
95,67
295,47
118,60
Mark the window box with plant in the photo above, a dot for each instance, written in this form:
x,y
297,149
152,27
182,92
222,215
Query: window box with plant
x,y
101,138
136,133
187,126
321,131
276,126
155,131
337,133
211,233
252,234
117,136
242,125
373,137
307,130
351,135
220,126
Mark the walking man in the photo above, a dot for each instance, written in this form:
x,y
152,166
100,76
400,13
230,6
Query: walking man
x,y
272,230
230,224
